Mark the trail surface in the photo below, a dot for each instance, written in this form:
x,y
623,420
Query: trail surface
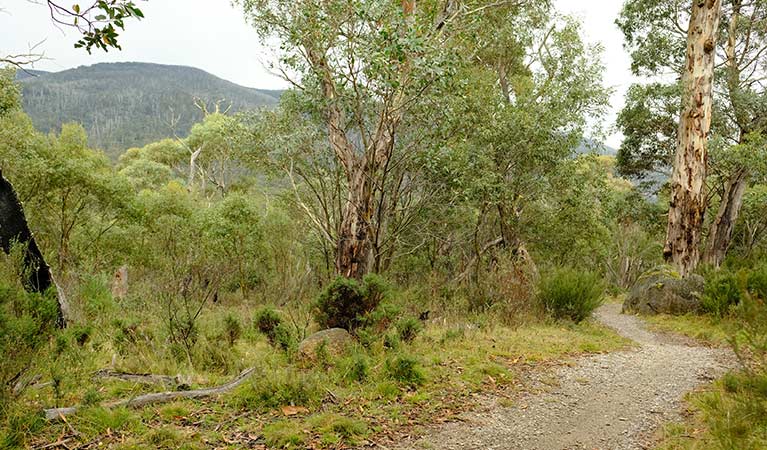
x,y
613,401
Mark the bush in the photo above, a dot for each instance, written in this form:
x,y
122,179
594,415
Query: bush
x,y
570,294
269,322
232,329
721,292
405,369
757,282
26,322
345,302
408,328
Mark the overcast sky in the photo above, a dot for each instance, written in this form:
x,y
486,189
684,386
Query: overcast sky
x,y
213,36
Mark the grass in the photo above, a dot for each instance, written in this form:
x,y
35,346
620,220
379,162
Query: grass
x,y
344,401
731,415
704,328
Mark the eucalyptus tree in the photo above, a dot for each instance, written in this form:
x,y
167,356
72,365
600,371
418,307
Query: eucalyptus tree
x,y
656,33
365,66
533,87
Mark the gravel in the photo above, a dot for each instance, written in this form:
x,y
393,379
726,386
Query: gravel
x,y
609,401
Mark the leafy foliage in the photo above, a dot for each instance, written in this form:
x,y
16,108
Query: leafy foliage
x,y
270,323
721,292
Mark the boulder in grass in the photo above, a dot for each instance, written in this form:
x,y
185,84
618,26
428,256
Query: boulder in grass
x,y
663,291
336,340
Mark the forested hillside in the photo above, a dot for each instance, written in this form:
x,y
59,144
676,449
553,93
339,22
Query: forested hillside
x,y
124,105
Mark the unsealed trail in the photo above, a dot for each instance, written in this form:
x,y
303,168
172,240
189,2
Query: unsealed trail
x,y
611,402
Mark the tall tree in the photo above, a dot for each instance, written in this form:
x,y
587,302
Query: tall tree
x,y
367,64
687,207
656,35
744,42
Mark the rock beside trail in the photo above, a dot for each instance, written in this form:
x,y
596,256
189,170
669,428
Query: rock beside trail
x,y
664,292
336,340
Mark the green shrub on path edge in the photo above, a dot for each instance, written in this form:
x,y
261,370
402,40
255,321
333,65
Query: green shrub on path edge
x,y
571,294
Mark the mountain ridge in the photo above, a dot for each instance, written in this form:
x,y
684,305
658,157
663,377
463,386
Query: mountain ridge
x,y
131,104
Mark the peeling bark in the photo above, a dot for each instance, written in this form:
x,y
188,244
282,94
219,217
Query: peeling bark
x,y
14,229
687,206
720,234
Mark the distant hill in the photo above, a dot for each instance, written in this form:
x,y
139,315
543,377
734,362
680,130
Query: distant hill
x,y
124,105
23,74
591,146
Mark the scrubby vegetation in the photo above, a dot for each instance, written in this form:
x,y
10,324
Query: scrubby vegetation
x,y
433,185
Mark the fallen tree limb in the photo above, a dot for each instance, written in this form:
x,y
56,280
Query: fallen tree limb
x,y
142,378
158,397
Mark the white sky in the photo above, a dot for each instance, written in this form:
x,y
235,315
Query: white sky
x,y
213,36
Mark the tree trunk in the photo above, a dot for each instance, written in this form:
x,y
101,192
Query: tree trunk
x,y
720,234
687,205
353,250
14,229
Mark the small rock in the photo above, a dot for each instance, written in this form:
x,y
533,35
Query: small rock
x,y
336,340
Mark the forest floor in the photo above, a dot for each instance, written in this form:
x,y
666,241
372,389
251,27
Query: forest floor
x,y
615,401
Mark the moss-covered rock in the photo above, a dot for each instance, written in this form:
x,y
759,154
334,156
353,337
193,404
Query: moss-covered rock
x,y
663,291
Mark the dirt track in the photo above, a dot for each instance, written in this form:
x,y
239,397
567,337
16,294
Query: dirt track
x,y
613,401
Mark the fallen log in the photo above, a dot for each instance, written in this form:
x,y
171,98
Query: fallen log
x,y
158,397
142,378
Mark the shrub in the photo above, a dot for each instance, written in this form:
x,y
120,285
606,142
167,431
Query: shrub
x,y
570,294
26,322
345,302
232,329
405,369
408,328
269,322
757,282
356,367
721,292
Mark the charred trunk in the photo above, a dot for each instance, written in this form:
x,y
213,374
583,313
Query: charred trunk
x,y
13,230
687,206
720,234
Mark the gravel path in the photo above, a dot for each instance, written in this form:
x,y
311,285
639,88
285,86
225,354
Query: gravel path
x,y
611,401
